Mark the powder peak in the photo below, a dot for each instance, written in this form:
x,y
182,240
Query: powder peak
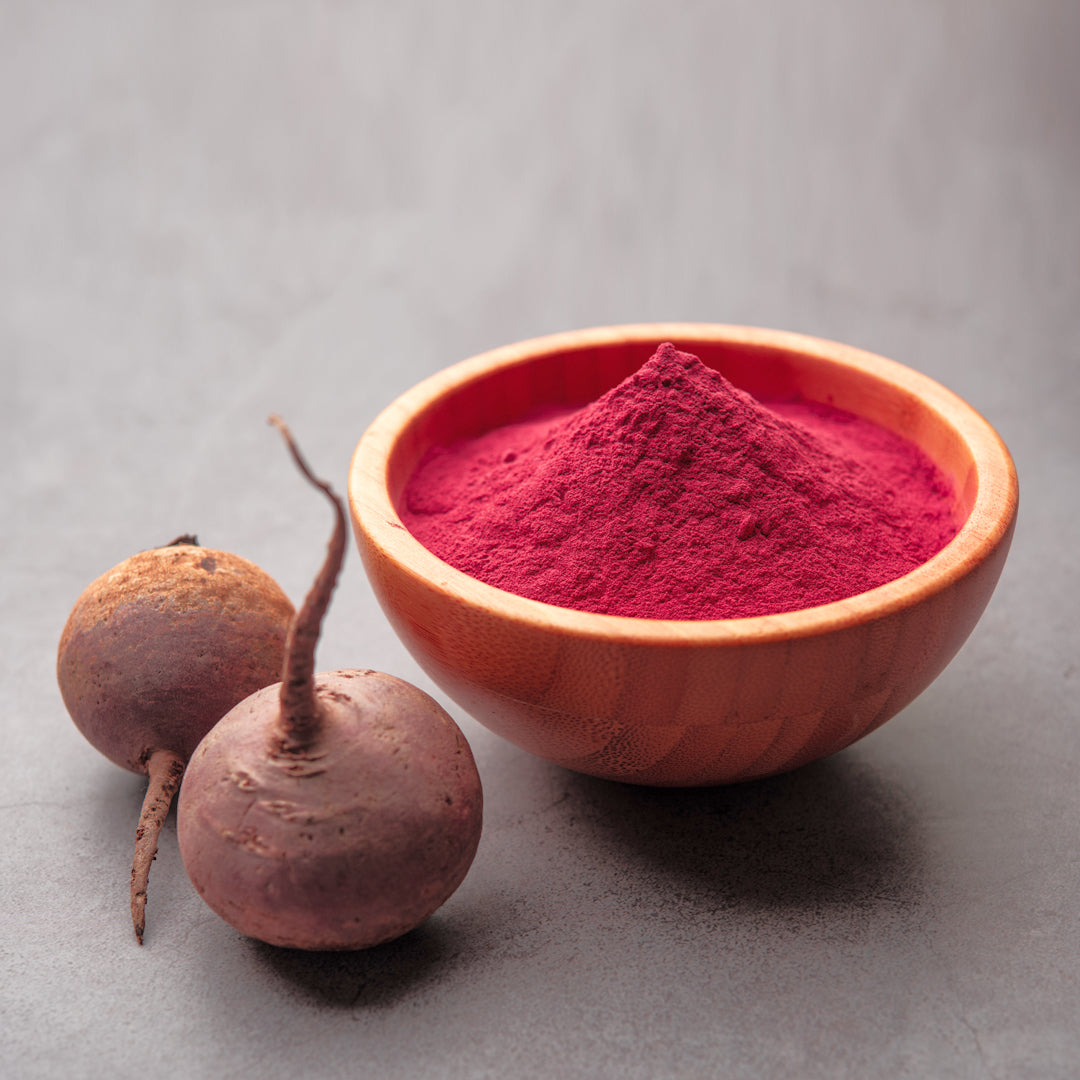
x,y
675,377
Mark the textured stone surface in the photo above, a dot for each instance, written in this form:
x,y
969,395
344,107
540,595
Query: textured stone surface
x,y
215,210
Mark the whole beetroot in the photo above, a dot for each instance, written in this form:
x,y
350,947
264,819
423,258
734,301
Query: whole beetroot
x,y
330,811
154,653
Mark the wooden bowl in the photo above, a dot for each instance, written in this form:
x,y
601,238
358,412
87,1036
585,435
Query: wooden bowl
x,y
667,702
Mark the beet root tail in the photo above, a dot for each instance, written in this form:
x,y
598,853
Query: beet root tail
x,y
166,770
300,714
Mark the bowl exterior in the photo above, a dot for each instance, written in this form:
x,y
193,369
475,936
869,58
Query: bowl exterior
x,y
679,715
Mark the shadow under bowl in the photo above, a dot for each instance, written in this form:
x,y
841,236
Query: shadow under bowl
x,y
682,702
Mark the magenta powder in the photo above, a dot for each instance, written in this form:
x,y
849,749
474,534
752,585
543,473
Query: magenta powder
x,y
678,496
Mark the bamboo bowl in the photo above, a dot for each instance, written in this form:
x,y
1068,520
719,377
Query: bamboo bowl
x,y
681,703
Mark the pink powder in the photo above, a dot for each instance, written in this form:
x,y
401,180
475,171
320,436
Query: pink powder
x,y
678,496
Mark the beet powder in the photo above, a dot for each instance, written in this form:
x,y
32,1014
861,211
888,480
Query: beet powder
x,y
678,496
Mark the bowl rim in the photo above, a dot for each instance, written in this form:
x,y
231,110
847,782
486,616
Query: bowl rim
x,y
992,514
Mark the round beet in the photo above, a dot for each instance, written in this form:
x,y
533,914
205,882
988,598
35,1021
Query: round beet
x,y
154,653
330,811
347,845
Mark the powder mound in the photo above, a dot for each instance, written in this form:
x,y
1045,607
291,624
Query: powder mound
x,y
677,495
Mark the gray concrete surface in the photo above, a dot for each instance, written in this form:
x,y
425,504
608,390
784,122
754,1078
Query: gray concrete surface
x,y
212,210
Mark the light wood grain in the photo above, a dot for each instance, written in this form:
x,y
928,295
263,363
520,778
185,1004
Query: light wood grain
x,y
682,702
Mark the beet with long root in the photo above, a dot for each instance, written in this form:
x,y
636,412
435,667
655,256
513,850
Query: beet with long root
x,y
330,811
154,653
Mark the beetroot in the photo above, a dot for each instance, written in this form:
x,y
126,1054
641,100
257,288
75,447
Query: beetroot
x,y
154,653
330,811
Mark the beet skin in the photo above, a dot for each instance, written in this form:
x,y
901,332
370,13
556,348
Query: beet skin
x,y
160,647
350,842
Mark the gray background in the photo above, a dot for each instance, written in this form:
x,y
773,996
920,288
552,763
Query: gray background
x,y
213,210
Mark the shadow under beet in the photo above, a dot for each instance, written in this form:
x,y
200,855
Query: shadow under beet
x,y
365,977
835,832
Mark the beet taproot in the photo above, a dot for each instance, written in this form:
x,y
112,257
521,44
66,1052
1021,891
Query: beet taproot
x,y
329,811
154,653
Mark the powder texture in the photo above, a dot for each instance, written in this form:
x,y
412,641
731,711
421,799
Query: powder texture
x,y
678,496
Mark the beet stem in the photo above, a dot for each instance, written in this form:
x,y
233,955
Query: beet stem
x,y
300,715
166,770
